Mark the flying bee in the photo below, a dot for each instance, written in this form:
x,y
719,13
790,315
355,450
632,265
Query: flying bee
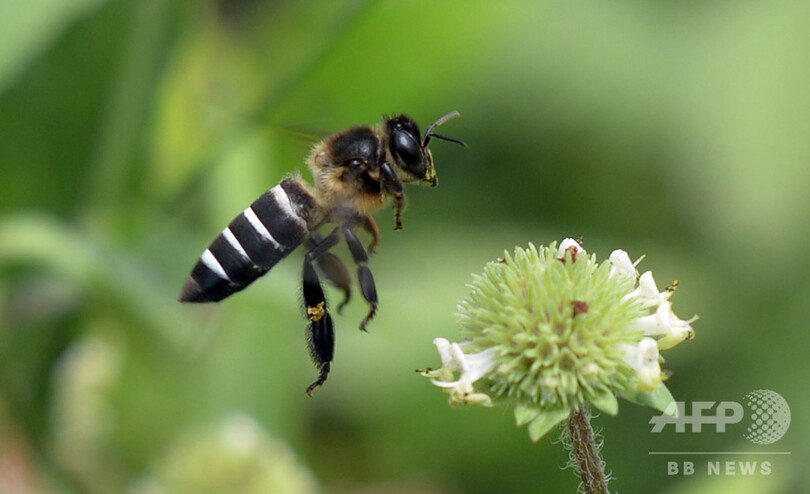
x,y
355,172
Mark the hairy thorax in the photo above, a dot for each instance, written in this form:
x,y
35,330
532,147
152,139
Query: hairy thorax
x,y
346,170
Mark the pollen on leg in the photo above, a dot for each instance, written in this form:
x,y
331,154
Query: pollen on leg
x,y
316,313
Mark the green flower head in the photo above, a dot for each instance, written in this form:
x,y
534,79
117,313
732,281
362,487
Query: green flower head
x,y
551,329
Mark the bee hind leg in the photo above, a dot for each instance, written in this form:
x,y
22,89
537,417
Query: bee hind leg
x,y
321,329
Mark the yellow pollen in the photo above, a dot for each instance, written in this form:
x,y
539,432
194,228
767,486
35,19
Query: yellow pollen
x,y
316,313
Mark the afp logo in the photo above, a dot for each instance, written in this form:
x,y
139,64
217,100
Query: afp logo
x,y
764,413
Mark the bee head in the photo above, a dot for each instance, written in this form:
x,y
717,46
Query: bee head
x,y
410,151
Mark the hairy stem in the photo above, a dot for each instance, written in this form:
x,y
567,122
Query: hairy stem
x,y
586,453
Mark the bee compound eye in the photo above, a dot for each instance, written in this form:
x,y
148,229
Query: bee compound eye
x,y
407,149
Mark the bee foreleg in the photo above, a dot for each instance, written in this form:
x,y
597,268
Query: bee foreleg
x,y
364,276
393,185
370,226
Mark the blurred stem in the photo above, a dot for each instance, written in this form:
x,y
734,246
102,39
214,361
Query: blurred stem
x,y
586,453
120,127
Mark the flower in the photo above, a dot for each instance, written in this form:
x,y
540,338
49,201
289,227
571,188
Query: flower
x,y
471,368
572,246
621,265
666,326
551,329
644,360
647,291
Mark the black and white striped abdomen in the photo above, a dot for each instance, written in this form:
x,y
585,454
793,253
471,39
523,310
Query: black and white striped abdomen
x,y
262,235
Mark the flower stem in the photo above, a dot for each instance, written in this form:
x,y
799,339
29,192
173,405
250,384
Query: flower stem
x,y
586,453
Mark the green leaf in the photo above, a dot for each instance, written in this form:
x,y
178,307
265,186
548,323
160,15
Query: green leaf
x,y
606,402
525,414
547,420
660,399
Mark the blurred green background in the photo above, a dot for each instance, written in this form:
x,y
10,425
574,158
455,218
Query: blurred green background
x,y
132,131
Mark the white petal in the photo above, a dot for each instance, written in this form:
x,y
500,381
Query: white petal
x,y
449,364
622,266
666,326
458,356
659,323
479,364
443,346
644,359
569,243
647,291
646,286
648,325
647,351
445,384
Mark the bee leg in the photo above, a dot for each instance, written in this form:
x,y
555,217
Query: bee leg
x,y
393,185
370,226
334,270
321,330
367,287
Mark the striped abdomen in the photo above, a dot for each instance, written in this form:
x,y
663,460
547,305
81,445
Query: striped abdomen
x,y
262,235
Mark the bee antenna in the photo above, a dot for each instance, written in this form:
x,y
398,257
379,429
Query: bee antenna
x,y
429,133
449,139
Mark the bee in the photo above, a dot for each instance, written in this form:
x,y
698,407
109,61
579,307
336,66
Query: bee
x,y
355,171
